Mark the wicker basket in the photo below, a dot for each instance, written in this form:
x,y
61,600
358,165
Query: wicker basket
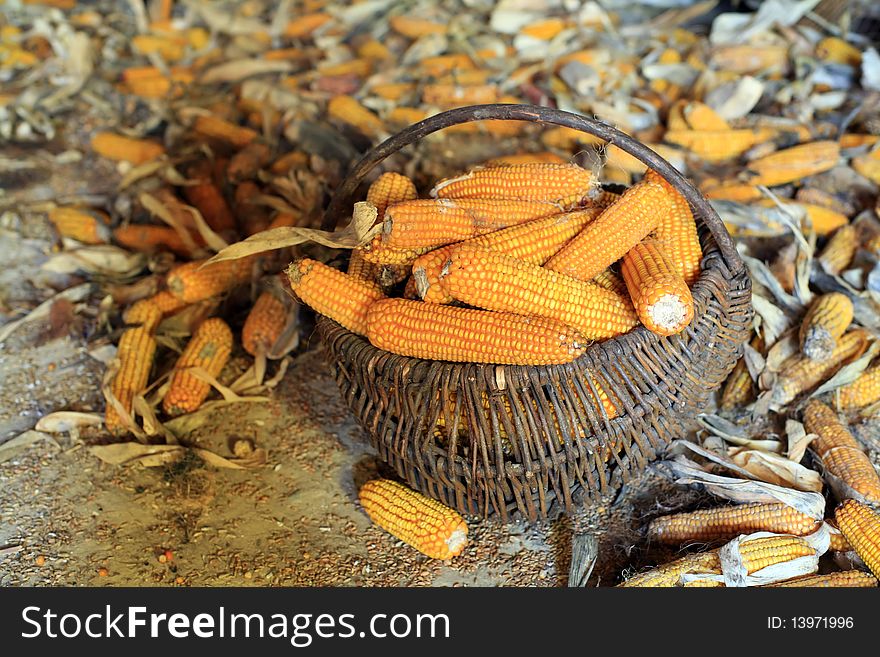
x,y
523,441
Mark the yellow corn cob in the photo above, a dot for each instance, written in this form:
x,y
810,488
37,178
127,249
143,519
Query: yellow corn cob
x,y
739,389
801,373
343,298
303,26
614,232
86,226
861,526
531,242
840,250
825,321
167,302
360,268
733,191
526,158
659,294
600,198
135,352
760,553
264,324
730,521
822,220
561,183
704,584
669,574
842,579
435,222
611,281
837,542
868,165
718,145
143,313
675,117
192,282
413,28
455,95
862,392
444,64
700,116
840,452
496,281
404,116
213,127
851,140
795,163
677,233
390,188
209,349
838,51
348,110
379,253
435,332
750,59
425,524
126,149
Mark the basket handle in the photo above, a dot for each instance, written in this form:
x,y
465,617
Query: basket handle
x,y
537,114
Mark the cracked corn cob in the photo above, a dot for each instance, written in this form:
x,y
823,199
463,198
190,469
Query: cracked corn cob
x,y
862,392
191,282
669,574
437,332
264,324
532,242
840,452
209,349
843,579
795,163
135,353
620,227
729,521
341,297
390,188
677,233
427,525
562,183
660,295
496,281
861,526
826,320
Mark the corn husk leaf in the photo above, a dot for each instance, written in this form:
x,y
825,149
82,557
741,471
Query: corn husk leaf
x,y
773,320
735,574
240,69
157,208
798,440
99,260
734,100
149,456
65,421
849,372
776,469
735,434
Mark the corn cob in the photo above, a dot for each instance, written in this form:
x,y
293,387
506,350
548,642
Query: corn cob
x,y
802,373
192,282
303,26
496,281
86,226
390,188
659,294
822,220
147,238
861,526
245,164
143,313
209,349
837,541
356,68
718,145
600,198
614,232
739,389
868,165
451,94
435,222
795,163
727,522
213,127
413,28
862,392
411,291
135,353
744,59
838,51
360,268
842,579
677,233
611,281
379,253
526,158
207,198
669,574
171,50
125,149
704,584
733,191
292,160
435,332
343,298
840,250
425,524
700,116
826,320
532,242
561,183
264,324
760,553
839,451
348,110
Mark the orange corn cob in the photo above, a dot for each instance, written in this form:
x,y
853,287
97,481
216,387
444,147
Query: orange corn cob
x,y
561,183
801,373
868,165
533,242
411,291
739,389
390,188
169,49
135,353
750,59
427,525
379,253
360,268
718,145
700,116
264,324
825,321
795,163
677,233
192,282
840,250
862,392
213,127
245,164
86,226
614,232
837,542
496,281
359,68
760,553
348,110
611,281
434,222
659,294
209,349
343,298
449,94
413,28
669,574
147,238
393,90
727,522
435,332
303,26
144,313
732,191
839,451
167,303
823,221
838,51
526,158
861,526
207,198
843,579
404,116
125,149
292,160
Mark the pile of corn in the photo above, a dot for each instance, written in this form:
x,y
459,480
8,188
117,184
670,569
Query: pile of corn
x,y
512,263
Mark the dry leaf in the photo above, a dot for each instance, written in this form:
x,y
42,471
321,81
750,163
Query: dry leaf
x,y
239,69
72,294
776,469
147,455
798,440
64,421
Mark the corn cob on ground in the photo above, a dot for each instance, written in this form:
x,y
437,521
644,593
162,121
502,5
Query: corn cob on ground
x,y
843,579
861,527
794,163
669,574
125,149
86,226
193,282
425,524
760,553
148,238
840,250
135,352
209,349
862,392
264,324
659,294
826,320
566,184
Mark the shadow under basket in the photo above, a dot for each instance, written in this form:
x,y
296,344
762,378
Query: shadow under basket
x,y
532,441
